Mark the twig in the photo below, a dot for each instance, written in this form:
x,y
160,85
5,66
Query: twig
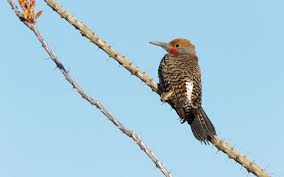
x,y
238,157
122,60
91,100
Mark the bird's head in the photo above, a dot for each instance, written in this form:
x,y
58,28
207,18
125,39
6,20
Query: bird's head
x,y
177,46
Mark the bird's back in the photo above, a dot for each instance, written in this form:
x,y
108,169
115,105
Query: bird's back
x,y
181,74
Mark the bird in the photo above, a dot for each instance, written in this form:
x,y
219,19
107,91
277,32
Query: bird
x,y
180,85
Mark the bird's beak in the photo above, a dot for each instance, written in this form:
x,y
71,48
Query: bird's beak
x,y
161,44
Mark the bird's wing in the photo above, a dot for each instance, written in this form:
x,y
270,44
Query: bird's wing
x,y
178,99
166,86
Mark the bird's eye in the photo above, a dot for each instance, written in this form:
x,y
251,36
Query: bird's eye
x,y
177,45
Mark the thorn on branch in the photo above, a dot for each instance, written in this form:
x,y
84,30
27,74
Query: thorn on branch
x,y
60,66
251,163
157,163
129,133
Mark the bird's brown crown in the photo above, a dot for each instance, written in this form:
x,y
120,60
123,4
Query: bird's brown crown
x,y
181,42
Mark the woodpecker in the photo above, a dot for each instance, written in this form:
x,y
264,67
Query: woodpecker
x,y
180,85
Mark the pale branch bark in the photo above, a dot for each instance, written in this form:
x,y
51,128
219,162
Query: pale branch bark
x,y
122,60
91,100
85,31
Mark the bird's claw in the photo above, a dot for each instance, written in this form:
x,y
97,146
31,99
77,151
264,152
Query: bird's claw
x,y
166,95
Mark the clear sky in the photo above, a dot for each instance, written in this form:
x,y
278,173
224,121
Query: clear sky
x,y
47,129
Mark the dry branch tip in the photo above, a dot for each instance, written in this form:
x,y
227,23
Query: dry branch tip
x,y
29,14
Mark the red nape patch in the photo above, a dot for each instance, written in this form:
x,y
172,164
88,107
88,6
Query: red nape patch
x,y
173,51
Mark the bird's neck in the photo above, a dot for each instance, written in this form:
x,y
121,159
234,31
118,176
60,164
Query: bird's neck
x,y
189,55
184,51
191,51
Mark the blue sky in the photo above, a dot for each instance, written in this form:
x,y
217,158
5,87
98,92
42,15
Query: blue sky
x,y
46,129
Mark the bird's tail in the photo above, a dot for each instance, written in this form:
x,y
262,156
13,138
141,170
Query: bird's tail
x,y
202,128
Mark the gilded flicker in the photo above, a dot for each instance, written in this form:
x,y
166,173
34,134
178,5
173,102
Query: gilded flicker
x,y
180,86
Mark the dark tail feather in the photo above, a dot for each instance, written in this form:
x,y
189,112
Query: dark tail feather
x,y
202,128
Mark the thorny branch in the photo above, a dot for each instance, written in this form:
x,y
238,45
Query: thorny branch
x,y
122,60
92,101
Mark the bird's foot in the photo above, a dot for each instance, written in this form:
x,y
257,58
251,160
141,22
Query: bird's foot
x,y
166,95
182,121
